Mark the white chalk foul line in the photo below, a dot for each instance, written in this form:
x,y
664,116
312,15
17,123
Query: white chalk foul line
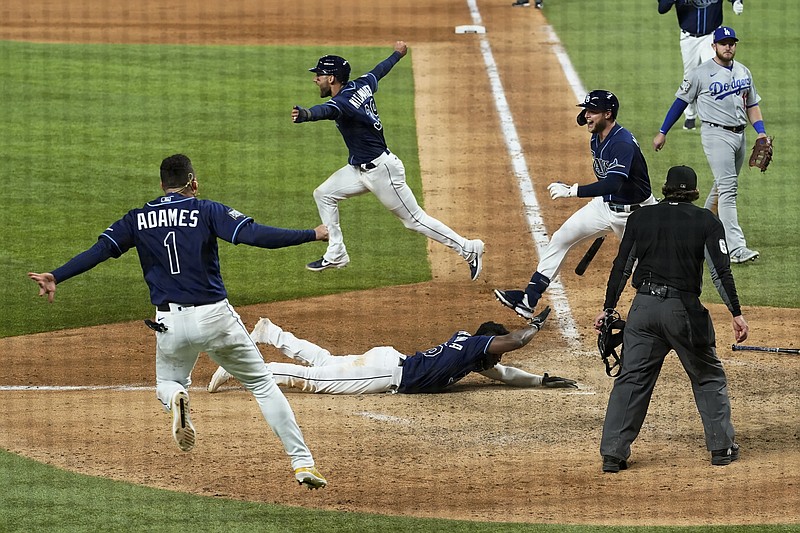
x,y
556,292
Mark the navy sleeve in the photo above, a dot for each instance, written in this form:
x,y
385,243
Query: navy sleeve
x,y
103,249
674,113
326,111
270,237
383,68
609,185
665,5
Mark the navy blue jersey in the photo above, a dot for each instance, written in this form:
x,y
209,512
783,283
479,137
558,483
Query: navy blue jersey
x,y
356,114
435,369
176,238
619,167
697,17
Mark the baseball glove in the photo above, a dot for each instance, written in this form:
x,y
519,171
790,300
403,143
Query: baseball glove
x,y
609,338
762,153
555,382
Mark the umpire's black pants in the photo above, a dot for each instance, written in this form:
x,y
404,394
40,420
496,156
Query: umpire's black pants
x,y
653,327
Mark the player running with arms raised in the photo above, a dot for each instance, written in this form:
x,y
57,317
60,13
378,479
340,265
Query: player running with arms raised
x,y
371,166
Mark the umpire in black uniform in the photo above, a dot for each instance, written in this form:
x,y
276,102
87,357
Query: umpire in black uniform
x,y
669,242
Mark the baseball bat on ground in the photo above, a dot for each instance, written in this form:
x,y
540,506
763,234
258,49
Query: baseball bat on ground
x,y
589,255
741,347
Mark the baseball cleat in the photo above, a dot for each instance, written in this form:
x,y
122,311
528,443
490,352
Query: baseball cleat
x,y
182,428
522,3
310,477
689,124
726,456
743,255
219,377
613,465
538,4
323,264
476,258
516,300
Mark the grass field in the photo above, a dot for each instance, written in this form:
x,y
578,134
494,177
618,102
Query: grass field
x,y
80,151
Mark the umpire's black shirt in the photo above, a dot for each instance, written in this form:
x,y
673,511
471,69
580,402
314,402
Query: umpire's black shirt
x,y
670,241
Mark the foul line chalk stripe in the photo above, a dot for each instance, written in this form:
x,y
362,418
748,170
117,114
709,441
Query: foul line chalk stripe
x,y
556,292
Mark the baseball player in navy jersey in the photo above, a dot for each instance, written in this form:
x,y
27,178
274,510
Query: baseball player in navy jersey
x,y
384,369
726,99
697,19
371,166
176,237
622,186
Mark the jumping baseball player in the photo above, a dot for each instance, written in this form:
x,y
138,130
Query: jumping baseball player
x,y
371,166
622,186
176,238
697,19
726,99
384,369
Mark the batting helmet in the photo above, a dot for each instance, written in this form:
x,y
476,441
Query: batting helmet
x,y
599,100
333,66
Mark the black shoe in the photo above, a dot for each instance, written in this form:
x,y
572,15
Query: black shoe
x,y
613,464
538,4
726,456
522,3
689,124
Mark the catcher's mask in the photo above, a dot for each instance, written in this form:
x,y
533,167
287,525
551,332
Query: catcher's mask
x,y
609,338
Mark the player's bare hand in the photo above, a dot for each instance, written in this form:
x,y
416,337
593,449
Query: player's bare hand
x,y
402,47
599,319
659,141
740,328
47,284
321,232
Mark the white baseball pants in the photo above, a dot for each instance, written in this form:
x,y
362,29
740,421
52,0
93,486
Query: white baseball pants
x,y
217,330
387,181
726,152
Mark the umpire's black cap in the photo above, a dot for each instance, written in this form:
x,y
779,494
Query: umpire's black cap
x,y
333,66
682,177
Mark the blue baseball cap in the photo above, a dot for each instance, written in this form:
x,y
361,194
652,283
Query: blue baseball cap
x,y
724,32
333,66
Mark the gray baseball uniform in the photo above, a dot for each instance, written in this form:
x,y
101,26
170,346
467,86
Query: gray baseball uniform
x,y
723,96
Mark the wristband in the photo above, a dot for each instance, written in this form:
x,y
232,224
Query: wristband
x,y
759,127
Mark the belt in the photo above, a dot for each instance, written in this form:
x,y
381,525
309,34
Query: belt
x,y
662,291
734,129
695,34
372,165
165,306
623,208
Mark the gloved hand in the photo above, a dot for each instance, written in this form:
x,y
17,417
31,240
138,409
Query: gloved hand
x,y
562,190
538,320
555,382
738,7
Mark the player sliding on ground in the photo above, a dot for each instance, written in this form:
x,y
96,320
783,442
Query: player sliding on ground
x,y
384,369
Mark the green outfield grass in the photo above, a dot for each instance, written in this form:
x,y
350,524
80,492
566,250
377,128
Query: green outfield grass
x,y
627,47
85,128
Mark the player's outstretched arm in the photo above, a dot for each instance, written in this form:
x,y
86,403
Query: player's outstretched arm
x,y
519,338
401,47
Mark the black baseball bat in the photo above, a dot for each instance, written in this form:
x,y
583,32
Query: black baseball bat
x,y
589,255
741,347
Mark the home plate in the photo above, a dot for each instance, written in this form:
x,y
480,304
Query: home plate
x,y
470,28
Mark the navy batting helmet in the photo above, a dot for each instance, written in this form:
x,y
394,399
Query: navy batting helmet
x,y
333,66
599,100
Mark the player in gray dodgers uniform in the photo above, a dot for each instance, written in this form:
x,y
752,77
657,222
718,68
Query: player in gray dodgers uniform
x,y
697,19
176,238
726,99
622,186
371,166
384,369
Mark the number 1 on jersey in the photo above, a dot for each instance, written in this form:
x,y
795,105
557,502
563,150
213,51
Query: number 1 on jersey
x,y
172,252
